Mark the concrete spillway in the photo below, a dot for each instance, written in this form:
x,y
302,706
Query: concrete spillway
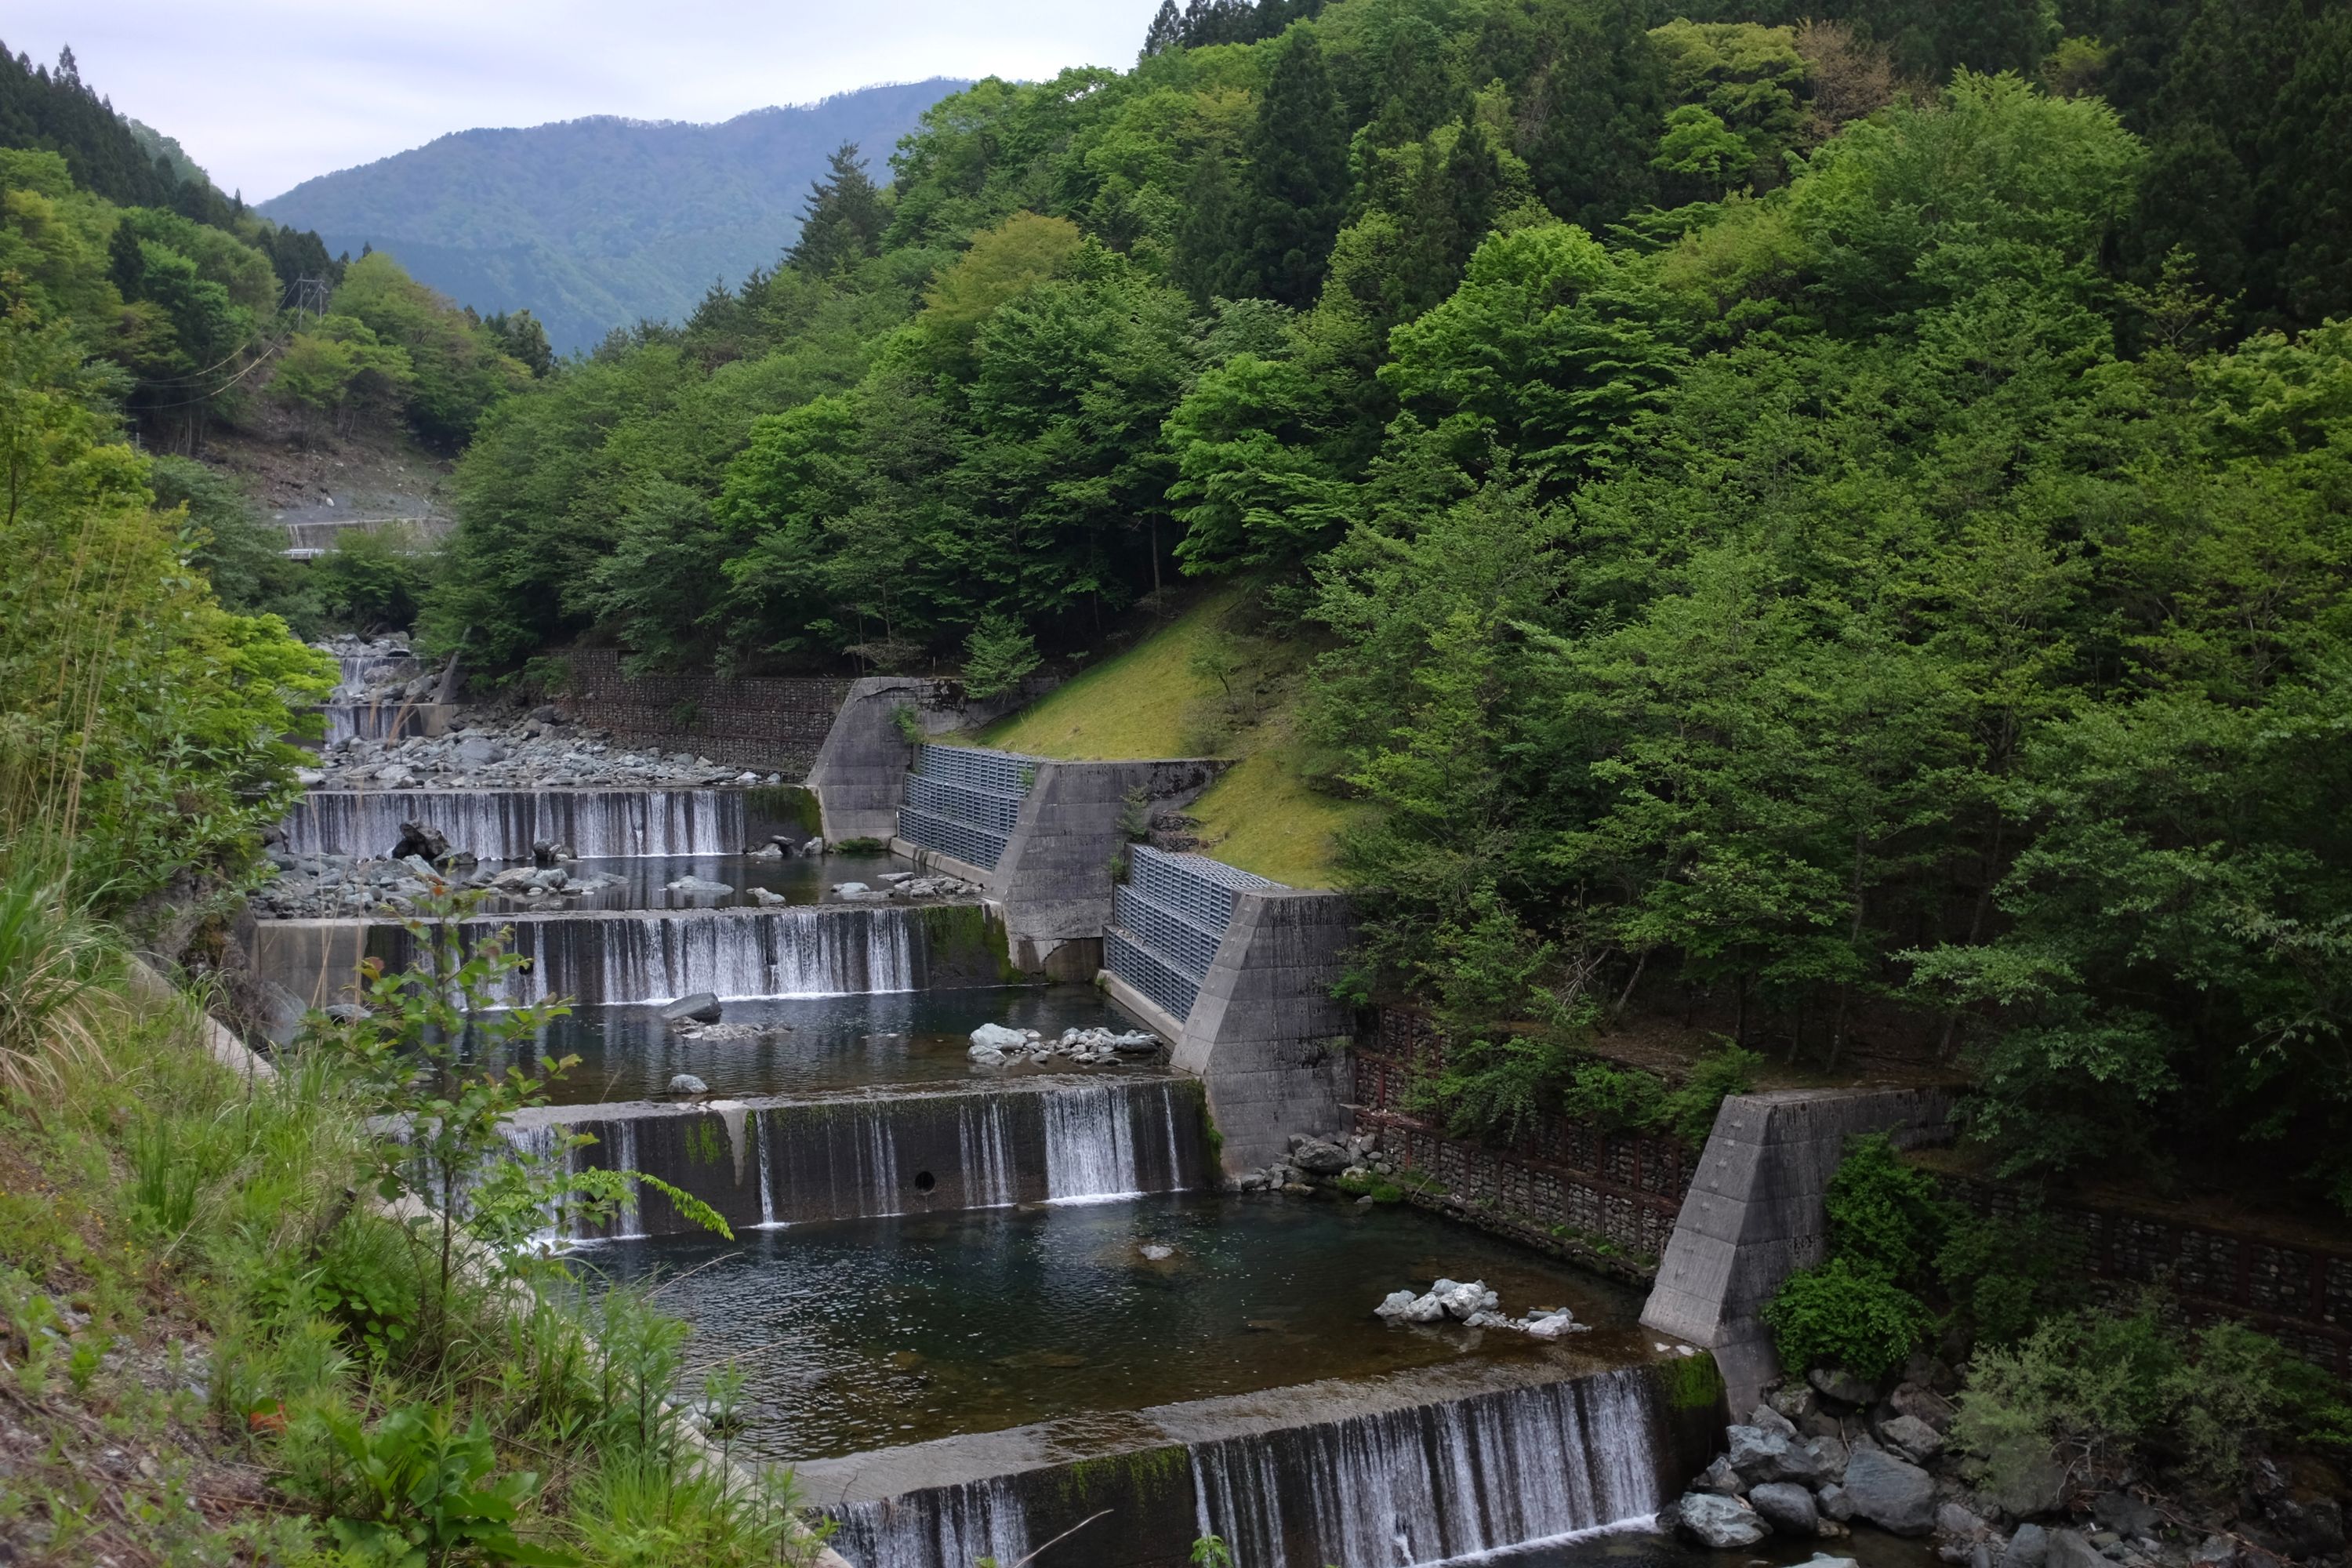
x,y
1420,1468
653,956
503,824
777,1162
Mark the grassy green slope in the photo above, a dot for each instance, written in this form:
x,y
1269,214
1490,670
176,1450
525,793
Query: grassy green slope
x,y
1157,700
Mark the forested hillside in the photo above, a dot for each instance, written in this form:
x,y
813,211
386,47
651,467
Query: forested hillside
x,y
600,222
1845,520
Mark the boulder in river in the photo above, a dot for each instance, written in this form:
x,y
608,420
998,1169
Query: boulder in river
x,y
1891,1493
1721,1522
997,1037
686,1083
1786,1508
423,840
702,1007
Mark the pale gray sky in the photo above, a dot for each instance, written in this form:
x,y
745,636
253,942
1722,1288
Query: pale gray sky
x,y
265,93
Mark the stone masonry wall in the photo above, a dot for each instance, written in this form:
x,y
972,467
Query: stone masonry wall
x,y
771,724
1609,1199
2300,1296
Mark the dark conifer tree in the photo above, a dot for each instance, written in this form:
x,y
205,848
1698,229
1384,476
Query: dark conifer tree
x,y
1298,178
842,219
1204,263
1166,32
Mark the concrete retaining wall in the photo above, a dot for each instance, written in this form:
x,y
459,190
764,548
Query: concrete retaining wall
x,y
1266,1035
859,773
1754,1213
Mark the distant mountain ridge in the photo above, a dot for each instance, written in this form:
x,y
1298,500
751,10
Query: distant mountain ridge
x,y
598,223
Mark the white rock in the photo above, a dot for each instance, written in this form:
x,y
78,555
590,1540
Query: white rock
x,y
1396,1307
1464,1301
997,1037
1158,1253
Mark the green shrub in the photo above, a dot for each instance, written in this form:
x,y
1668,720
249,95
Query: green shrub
x,y
998,656
1846,1313
1884,1213
2102,1389
1689,1112
2005,1274
860,847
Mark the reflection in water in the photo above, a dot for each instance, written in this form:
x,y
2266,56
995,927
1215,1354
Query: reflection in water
x,y
857,1335
818,1043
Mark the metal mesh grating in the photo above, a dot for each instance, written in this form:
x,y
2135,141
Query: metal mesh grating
x,y
1149,973
965,802
1183,945
1168,920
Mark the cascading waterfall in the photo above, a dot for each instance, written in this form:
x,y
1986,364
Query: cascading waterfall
x,y
657,956
502,825
988,1181
627,1221
1442,1481
852,1157
1090,1145
1435,1483
951,1528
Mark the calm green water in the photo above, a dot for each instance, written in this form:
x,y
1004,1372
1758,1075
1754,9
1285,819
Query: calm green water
x,y
861,1335
832,1043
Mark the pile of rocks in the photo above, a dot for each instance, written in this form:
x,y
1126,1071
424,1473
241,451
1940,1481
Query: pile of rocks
x,y
324,885
1473,1305
996,1044
542,750
1833,1448
905,887
1350,1161
702,1017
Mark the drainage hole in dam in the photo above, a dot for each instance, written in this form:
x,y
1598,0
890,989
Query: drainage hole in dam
x,y
925,1181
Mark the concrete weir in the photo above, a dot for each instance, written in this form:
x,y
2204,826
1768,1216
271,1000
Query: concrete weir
x,y
783,1161
639,956
1423,1467
503,824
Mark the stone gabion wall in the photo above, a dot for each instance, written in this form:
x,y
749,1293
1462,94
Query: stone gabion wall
x,y
1607,1198
2301,1296
771,724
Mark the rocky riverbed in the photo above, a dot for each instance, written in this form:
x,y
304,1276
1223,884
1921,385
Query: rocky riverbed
x,y
1832,1450
997,1045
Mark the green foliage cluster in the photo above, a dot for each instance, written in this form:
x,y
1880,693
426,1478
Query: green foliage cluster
x,y
2101,1390
1839,517
142,723
1864,1308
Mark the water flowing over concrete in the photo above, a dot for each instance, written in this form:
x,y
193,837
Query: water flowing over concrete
x,y
769,1163
503,824
1414,1470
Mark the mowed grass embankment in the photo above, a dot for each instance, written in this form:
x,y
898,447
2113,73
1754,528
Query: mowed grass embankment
x,y
1164,697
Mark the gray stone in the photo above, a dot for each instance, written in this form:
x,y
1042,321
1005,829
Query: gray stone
x,y
696,885
702,1007
1823,1559
1836,1383
1396,1307
1771,1420
1462,1300
345,1012
2215,1552
422,840
480,752
1317,1158
2030,1484
1835,1503
2124,1513
686,1083
1721,1522
2029,1548
1793,1400
1720,1478
1952,1519
1831,1453
997,1037
1915,1438
1924,1405
2069,1549
1786,1508
1770,1455
1890,1493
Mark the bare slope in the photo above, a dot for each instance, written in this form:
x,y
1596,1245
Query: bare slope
x,y
1198,688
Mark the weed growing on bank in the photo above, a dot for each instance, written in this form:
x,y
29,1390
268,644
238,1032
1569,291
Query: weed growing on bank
x,y
233,1329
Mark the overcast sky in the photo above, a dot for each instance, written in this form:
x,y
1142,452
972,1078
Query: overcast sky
x,y
265,94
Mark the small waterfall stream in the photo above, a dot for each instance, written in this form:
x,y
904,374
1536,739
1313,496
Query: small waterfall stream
x,y
503,824
647,957
852,1157
1448,1480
